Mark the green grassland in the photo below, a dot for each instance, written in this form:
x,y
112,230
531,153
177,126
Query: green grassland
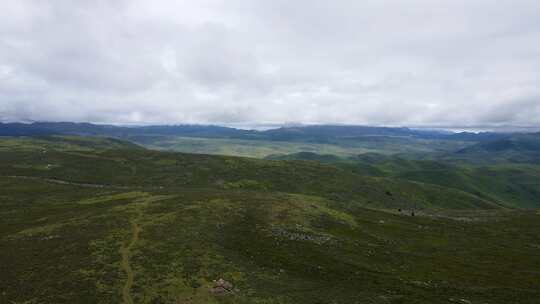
x,y
509,184
264,148
239,147
141,168
109,222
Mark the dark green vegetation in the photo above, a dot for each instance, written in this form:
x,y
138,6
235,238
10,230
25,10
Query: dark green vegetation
x,y
502,182
136,167
95,220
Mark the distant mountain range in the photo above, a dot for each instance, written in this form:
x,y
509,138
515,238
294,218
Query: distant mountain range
x,y
521,148
316,133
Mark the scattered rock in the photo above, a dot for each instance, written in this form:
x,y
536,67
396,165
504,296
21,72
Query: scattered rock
x,y
420,283
50,237
537,246
462,301
221,287
300,236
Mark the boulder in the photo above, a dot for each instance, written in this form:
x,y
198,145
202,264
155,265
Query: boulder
x,y
221,287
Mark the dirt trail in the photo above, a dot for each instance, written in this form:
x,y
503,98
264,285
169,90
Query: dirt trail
x,y
125,250
64,182
87,185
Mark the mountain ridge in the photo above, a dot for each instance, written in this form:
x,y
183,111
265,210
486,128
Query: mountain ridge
x,y
295,133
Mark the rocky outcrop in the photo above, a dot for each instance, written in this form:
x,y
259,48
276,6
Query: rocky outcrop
x,y
221,287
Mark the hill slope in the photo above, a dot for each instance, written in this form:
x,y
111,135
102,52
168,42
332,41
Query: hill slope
x,y
90,224
144,168
512,185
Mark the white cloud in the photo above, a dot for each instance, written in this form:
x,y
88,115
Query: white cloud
x,y
367,62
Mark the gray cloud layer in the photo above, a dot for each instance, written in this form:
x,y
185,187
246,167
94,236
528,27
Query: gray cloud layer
x,y
416,62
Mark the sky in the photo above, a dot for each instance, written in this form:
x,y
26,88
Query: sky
x,y
370,62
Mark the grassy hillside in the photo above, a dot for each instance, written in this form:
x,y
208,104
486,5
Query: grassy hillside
x,y
513,185
63,143
509,184
110,222
71,244
151,169
263,148
239,147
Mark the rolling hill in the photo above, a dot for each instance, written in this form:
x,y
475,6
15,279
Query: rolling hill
x,y
95,220
125,165
508,184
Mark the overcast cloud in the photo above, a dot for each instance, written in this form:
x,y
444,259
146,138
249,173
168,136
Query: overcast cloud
x,y
383,62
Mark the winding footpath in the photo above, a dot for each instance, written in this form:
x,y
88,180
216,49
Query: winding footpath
x,y
126,247
64,182
78,184
125,250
